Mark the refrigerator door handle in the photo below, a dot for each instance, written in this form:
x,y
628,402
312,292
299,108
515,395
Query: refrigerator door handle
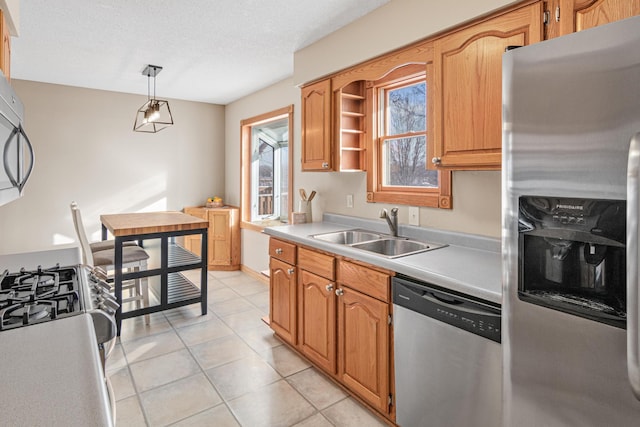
x,y
633,301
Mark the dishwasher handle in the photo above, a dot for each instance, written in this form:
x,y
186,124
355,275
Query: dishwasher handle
x,y
459,305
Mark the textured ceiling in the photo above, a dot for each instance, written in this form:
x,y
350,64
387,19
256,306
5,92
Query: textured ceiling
x,y
212,51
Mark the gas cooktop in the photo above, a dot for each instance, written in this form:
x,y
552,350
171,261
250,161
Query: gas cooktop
x,y
29,297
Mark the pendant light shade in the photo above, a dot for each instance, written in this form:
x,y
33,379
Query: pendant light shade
x,y
155,114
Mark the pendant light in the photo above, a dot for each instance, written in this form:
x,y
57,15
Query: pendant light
x,y
154,115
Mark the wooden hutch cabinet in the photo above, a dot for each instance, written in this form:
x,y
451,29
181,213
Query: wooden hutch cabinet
x,y
223,235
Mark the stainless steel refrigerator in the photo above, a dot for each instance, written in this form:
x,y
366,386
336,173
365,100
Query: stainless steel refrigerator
x,y
571,123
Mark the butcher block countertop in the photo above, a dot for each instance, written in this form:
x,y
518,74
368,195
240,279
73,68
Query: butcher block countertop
x,y
127,224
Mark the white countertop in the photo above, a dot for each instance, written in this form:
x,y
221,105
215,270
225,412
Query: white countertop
x,y
65,256
52,376
470,264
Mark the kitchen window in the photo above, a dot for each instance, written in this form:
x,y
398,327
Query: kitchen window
x,y
266,172
400,126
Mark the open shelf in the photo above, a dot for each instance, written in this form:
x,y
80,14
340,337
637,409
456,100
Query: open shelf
x,y
179,288
351,116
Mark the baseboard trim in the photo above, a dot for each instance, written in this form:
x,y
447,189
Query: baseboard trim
x,y
255,274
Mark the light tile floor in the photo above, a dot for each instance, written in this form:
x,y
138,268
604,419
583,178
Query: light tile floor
x,y
222,369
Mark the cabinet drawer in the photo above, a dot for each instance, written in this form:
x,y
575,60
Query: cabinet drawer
x,y
363,279
317,263
282,250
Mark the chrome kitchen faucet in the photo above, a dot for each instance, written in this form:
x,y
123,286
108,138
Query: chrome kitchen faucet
x,y
392,220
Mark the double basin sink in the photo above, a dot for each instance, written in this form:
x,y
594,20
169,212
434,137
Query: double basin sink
x,y
377,243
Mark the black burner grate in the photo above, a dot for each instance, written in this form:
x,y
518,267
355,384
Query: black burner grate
x,y
29,297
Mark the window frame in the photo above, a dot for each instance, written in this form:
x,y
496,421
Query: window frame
x,y
246,166
377,192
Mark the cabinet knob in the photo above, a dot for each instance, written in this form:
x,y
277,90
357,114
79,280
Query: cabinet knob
x,y
279,251
436,160
325,165
339,292
290,271
329,287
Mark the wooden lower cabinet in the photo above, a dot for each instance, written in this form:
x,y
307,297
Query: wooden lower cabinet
x,y
363,346
342,320
317,320
282,300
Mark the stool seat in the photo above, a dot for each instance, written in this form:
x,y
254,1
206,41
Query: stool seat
x,y
129,254
104,245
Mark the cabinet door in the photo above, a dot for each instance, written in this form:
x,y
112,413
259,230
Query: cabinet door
x,y
316,126
466,88
569,16
219,238
363,346
317,320
282,300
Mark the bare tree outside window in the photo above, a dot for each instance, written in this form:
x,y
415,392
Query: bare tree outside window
x,y
405,145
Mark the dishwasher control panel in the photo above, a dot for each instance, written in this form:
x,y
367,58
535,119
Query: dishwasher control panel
x,y
479,317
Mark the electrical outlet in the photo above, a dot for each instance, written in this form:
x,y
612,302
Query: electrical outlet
x,y
414,215
349,200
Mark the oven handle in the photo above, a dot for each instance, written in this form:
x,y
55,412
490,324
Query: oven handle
x,y
633,302
21,179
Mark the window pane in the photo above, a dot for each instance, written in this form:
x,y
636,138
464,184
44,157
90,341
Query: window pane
x,y
284,179
404,163
407,109
265,188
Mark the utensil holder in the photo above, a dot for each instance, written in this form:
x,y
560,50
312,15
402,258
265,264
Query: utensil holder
x,y
305,206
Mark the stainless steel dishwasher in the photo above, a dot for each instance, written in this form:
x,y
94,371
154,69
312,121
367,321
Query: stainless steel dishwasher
x,y
448,360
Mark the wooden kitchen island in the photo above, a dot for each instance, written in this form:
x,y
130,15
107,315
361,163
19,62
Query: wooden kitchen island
x,y
174,288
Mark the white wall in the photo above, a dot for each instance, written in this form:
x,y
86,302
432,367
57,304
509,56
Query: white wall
x,y
476,195
87,151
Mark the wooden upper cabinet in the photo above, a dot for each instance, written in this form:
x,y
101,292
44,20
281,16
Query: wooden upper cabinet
x,y
5,50
568,16
316,127
466,88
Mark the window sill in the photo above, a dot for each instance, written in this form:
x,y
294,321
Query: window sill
x,y
260,225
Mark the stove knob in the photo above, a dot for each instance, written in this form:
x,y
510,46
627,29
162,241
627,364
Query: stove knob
x,y
107,310
102,287
98,274
111,304
107,303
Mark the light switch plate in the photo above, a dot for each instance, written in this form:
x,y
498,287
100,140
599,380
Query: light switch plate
x,y
349,200
414,215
